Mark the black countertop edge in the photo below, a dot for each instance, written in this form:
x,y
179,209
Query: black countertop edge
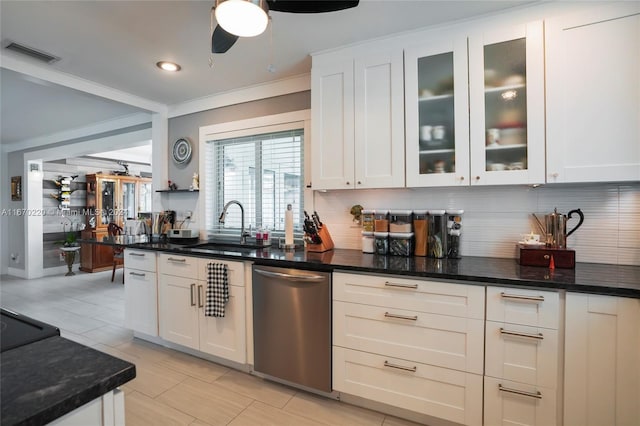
x,y
593,278
45,380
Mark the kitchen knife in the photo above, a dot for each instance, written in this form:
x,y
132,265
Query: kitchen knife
x,y
317,216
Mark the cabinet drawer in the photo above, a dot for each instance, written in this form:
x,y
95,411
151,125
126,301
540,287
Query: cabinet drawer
x,y
179,266
235,270
439,392
523,306
522,354
514,403
140,259
419,295
441,340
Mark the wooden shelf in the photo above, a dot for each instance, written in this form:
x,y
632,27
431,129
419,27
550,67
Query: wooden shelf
x,y
177,190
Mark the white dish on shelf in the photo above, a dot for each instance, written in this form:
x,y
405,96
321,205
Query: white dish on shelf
x,y
531,243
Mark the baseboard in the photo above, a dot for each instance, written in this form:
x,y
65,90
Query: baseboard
x,y
15,272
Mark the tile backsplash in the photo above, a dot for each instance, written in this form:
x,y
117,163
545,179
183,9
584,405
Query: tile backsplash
x,y
495,217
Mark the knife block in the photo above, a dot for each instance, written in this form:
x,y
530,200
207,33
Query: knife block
x,y
325,245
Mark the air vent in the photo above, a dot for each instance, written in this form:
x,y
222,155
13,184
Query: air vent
x,y
31,52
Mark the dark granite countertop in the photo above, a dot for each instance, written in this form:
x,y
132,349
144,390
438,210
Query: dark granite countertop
x,y
606,279
47,379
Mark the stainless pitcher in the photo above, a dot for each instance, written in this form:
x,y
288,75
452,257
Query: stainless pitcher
x,y
556,226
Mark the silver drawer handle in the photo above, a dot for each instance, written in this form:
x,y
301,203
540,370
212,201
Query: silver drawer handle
x,y
404,317
400,367
192,288
173,259
390,284
538,336
536,395
136,254
521,297
137,274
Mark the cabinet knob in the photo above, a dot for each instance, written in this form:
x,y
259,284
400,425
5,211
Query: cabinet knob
x,y
461,178
309,185
477,177
348,183
359,183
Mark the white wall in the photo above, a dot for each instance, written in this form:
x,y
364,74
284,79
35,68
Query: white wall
x,y
495,217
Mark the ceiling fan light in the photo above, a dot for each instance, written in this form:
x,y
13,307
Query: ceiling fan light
x,y
244,18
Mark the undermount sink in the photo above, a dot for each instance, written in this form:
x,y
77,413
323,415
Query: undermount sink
x,y
225,246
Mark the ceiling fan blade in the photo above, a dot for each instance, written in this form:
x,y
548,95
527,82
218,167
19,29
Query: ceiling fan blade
x,y
310,6
221,41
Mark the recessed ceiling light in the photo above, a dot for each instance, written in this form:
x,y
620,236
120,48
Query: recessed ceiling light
x,y
168,66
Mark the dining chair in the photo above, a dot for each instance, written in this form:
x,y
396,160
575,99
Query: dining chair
x,y
114,229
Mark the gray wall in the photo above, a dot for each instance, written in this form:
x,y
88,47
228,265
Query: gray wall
x,y
188,126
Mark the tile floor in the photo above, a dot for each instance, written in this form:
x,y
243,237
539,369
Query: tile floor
x,y
171,388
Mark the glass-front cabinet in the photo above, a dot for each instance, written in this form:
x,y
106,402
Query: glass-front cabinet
x,y
506,93
475,109
115,199
437,114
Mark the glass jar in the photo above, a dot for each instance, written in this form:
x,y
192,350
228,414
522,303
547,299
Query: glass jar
x,y
420,231
437,241
381,221
454,232
368,220
368,242
381,242
401,243
400,221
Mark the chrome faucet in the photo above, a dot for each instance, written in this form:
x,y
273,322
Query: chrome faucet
x,y
243,234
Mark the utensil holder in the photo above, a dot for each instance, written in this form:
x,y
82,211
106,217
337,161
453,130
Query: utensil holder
x,y
325,245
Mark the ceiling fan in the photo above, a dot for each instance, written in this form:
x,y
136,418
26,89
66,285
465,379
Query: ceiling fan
x,y
222,39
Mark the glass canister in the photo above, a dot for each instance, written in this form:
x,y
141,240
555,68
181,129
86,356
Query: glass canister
x,y
381,242
401,243
368,220
437,231
454,232
400,221
420,230
368,242
381,221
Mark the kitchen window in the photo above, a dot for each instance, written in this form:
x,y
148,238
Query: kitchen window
x,y
264,172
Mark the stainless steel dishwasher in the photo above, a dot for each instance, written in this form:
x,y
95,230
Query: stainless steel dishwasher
x,y
292,326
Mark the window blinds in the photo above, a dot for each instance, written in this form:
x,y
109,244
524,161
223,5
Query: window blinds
x,y
264,173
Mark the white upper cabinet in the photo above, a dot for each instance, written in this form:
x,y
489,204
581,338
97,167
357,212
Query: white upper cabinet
x,y
357,120
475,109
437,113
506,96
593,95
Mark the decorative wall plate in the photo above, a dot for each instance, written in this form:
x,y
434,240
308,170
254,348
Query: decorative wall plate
x,y
181,151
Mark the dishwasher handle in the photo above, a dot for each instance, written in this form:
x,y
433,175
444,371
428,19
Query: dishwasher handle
x,y
290,277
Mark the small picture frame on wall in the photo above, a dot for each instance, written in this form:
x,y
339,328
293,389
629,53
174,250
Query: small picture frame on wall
x,y
16,188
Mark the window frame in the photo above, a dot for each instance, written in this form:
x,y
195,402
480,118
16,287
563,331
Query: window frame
x,y
253,126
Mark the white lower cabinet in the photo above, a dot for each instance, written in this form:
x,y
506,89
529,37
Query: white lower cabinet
x,y
182,302
522,351
411,343
513,403
602,361
440,392
141,291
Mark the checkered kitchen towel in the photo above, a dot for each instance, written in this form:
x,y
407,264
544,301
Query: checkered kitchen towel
x,y
217,289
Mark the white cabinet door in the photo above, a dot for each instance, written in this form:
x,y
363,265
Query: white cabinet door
x,y
602,360
178,310
332,133
522,354
442,340
506,104
436,94
141,301
225,336
140,259
593,95
439,392
523,306
379,120
509,403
